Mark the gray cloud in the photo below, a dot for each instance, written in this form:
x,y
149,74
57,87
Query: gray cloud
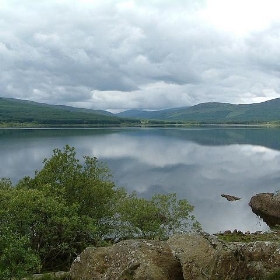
x,y
132,54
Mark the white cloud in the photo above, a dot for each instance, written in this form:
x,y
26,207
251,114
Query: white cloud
x,y
241,17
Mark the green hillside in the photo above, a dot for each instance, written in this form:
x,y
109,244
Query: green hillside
x,y
22,111
268,111
15,111
142,114
214,112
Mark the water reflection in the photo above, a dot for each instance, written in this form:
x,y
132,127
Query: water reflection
x,y
197,164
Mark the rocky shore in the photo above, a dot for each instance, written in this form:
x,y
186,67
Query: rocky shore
x,y
225,256
184,256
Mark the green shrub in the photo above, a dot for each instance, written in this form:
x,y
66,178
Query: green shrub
x,y
46,221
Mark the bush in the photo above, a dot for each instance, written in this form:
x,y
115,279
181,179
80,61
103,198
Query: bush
x,y
17,259
156,218
49,219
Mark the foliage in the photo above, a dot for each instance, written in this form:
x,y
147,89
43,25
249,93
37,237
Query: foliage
x,y
158,217
77,199
69,205
174,214
51,226
136,217
5,184
17,259
87,187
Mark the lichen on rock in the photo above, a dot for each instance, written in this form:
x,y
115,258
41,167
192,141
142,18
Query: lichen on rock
x,y
131,259
184,256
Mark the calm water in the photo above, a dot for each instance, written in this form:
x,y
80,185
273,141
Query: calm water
x,y
198,164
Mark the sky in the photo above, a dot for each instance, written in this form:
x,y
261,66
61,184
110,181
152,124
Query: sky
x,y
143,54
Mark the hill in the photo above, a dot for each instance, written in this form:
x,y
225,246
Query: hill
x,y
16,111
215,112
23,111
143,114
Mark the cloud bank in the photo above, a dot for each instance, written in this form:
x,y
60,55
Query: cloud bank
x,y
118,54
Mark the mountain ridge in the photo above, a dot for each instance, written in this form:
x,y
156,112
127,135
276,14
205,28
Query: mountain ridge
x,y
216,112
25,111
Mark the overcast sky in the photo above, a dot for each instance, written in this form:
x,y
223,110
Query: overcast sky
x,y
149,54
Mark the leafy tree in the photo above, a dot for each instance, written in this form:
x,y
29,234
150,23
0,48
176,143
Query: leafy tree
x,y
68,206
5,184
65,207
158,217
136,218
17,259
51,227
174,214
87,186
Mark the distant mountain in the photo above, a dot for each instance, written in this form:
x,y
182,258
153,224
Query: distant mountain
x,y
144,114
215,112
23,111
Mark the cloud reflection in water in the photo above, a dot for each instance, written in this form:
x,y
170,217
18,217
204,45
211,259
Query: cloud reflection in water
x,y
150,162
199,173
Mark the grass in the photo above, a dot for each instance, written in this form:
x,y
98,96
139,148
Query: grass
x,y
252,237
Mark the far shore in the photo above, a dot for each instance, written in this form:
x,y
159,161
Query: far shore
x,y
142,124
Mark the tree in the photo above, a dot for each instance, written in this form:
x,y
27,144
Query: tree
x,y
17,259
158,217
69,205
136,218
175,214
87,186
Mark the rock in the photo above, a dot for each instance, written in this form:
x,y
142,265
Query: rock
x,y
230,197
267,206
196,254
131,259
205,257
255,260
184,256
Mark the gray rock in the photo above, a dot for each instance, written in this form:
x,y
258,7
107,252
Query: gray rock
x,y
267,206
131,259
205,257
184,256
230,197
196,254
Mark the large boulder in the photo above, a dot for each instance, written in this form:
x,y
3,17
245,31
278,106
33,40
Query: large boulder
x,y
197,254
267,206
205,257
254,260
131,259
184,256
